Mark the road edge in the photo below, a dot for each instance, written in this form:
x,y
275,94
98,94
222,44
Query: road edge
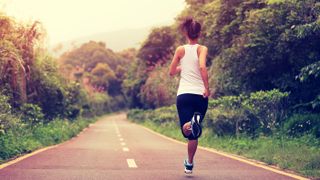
x,y
25,156
18,158
234,157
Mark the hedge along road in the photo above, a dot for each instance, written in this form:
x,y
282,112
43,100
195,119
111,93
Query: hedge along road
x,y
114,148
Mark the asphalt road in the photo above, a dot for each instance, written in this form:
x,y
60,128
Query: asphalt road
x,y
114,148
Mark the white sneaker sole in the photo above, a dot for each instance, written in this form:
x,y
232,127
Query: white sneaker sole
x,y
187,171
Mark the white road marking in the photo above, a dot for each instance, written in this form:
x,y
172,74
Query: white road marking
x,y
117,129
125,149
131,163
123,144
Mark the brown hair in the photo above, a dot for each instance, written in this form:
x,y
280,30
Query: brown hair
x,y
191,27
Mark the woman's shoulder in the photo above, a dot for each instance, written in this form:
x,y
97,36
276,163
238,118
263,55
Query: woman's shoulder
x,y
180,50
201,48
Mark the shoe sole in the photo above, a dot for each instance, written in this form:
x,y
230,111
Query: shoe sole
x,y
187,171
196,128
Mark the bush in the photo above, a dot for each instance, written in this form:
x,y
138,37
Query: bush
x,y
75,98
53,132
158,116
268,107
261,111
31,114
55,95
301,124
98,104
7,119
224,125
14,143
137,115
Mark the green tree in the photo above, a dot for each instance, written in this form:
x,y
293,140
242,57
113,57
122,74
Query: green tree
x,y
102,75
258,47
159,89
158,47
101,65
17,45
135,77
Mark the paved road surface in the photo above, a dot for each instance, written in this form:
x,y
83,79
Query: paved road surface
x,y
114,148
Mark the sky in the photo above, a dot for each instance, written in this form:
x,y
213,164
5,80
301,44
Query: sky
x,y
69,19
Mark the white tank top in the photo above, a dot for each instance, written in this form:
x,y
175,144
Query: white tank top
x,y
190,81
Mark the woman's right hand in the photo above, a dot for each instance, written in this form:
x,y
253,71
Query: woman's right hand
x,y
206,93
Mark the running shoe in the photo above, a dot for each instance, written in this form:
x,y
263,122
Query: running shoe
x,y
195,125
187,167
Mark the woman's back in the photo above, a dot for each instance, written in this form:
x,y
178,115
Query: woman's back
x,y
191,80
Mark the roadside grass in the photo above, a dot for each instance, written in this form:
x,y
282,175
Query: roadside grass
x,y
294,154
24,139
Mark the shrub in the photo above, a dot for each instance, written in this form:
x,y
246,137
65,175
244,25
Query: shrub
x,y
268,107
300,124
137,115
31,114
98,104
250,114
7,119
230,115
74,100
224,125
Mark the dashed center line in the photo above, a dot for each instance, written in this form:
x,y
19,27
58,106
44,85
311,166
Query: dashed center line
x,y
131,163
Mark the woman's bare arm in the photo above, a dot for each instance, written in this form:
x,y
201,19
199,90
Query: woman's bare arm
x,y
174,68
203,69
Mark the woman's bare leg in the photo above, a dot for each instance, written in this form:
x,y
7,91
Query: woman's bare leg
x,y
192,148
187,128
192,144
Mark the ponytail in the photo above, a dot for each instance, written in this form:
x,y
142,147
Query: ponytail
x,y
191,27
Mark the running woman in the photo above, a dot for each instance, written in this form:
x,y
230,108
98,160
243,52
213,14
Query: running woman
x,y
192,98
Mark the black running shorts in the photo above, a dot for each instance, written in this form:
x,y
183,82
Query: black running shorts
x,y
187,105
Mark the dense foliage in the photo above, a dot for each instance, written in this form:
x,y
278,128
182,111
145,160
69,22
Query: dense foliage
x,y
39,106
253,45
97,69
28,74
